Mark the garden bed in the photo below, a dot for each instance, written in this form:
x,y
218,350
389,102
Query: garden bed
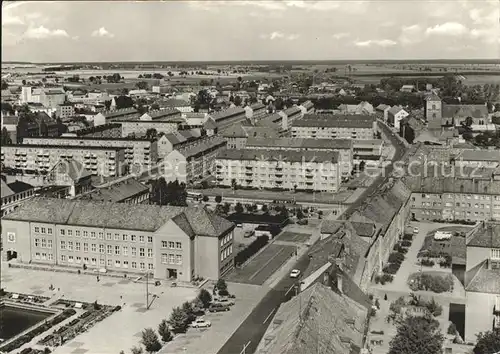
x,y
431,281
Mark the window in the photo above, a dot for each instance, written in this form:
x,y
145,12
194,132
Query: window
x,y
70,259
70,232
141,252
150,253
63,245
141,238
49,231
37,242
109,249
495,253
171,244
85,247
108,235
92,234
49,243
117,250
63,258
178,259
101,248
171,258
125,264
178,245
43,230
150,239
50,256
77,233
150,266
164,244
101,235
77,246
43,243
125,237
37,229
78,259
117,237
93,248
164,258
134,265
93,261
134,252
101,261
142,266
61,232
125,250
109,262
117,264
133,238
37,255
70,245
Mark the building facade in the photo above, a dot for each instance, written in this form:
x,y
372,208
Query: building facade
x,y
334,127
65,111
279,170
169,242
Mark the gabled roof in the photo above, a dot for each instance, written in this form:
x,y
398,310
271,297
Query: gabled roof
x,y
227,113
483,279
464,111
5,190
318,320
382,107
210,124
307,104
19,186
432,97
395,110
74,169
257,106
124,216
486,234
117,192
279,155
301,143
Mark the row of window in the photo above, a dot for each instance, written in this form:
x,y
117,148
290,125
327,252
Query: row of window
x,y
226,253
109,236
109,262
171,245
43,230
43,243
226,239
171,258
109,249
44,256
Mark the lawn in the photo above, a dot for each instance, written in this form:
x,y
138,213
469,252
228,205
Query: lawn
x,y
293,236
455,247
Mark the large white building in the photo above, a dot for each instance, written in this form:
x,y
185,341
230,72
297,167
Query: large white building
x,y
48,97
328,126
279,170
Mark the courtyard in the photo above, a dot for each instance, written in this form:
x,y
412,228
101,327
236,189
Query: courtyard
x,y
122,330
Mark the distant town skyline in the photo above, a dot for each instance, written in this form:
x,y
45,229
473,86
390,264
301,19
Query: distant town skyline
x,y
249,30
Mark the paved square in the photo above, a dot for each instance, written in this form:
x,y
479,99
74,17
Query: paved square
x,y
293,236
79,351
75,344
263,265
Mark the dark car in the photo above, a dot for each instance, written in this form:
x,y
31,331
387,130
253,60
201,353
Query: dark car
x,y
219,308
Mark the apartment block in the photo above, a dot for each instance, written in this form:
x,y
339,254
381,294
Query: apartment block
x,y
281,170
140,127
114,115
138,151
169,242
102,161
327,126
65,111
238,134
290,115
193,162
227,117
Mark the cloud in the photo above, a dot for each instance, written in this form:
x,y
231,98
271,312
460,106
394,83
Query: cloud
x,y
292,37
282,5
102,32
376,42
410,34
42,32
272,35
341,35
448,29
9,20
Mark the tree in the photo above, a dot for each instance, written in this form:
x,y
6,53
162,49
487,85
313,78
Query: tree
x,y
188,309
222,287
151,133
284,212
488,342
205,297
142,85
237,100
150,340
218,199
238,208
234,184
107,104
6,140
5,85
136,350
205,198
164,331
265,209
24,82
300,214
178,320
417,335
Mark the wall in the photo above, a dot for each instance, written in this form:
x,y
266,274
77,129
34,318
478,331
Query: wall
x,y
476,255
22,243
478,314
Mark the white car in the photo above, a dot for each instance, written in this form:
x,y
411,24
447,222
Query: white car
x,y
295,273
201,323
415,230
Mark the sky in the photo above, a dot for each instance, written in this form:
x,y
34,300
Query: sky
x,y
97,31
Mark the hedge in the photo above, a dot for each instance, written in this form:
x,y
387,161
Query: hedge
x,y
438,283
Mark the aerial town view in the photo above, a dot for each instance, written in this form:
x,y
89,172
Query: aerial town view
x,y
250,177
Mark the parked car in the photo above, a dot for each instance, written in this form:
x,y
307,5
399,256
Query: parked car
x,y
249,233
415,230
201,323
219,307
294,273
223,300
